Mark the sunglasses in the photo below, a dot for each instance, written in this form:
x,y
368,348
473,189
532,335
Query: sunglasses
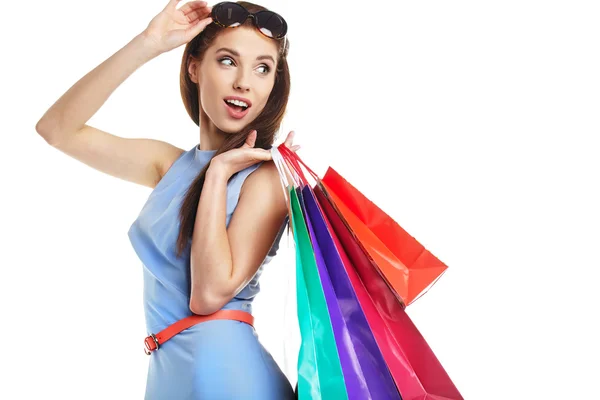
x,y
231,15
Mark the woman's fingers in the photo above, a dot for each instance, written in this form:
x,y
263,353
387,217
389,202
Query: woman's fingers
x,y
172,27
289,140
188,15
198,11
197,14
254,155
172,5
193,16
192,5
195,29
263,155
250,140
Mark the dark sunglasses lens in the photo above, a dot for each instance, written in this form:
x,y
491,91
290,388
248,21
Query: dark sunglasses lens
x,y
271,24
230,14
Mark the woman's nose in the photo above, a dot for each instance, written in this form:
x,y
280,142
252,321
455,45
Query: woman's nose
x,y
242,82
240,85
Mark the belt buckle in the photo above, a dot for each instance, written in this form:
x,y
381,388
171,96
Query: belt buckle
x,y
147,348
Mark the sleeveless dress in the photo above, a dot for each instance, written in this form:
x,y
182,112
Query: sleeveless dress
x,y
214,360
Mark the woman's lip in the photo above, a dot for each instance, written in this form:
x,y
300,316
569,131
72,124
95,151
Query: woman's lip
x,y
245,100
234,113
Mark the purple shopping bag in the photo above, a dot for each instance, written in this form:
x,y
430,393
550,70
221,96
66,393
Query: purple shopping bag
x,y
359,354
352,378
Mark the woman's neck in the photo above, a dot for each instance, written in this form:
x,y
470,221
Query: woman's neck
x,y
211,137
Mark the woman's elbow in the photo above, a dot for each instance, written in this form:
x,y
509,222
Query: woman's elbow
x,y
206,304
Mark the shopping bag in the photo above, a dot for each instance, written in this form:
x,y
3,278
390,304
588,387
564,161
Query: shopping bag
x,y
365,373
417,372
367,360
319,370
407,267
352,374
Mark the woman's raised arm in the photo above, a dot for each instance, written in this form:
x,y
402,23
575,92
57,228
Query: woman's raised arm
x,y
64,126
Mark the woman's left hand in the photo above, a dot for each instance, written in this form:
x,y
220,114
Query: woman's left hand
x,y
236,160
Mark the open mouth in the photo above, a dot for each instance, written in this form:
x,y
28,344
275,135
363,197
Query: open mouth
x,y
236,107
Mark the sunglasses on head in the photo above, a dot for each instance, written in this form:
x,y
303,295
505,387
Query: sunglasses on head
x,y
231,15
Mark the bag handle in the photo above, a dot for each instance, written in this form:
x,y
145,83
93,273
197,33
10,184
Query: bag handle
x,y
283,178
295,161
285,175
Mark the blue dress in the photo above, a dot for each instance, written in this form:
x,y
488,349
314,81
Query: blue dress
x,y
213,360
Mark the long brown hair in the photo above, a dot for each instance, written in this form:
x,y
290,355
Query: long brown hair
x,y
266,124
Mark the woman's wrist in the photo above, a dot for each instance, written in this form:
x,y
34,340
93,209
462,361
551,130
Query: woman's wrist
x,y
148,46
218,169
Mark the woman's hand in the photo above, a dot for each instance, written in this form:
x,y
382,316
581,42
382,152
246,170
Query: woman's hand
x,y
236,160
173,27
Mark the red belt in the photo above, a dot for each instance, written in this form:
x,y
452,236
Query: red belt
x,y
153,341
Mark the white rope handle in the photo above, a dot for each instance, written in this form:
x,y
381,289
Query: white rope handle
x,y
282,177
284,168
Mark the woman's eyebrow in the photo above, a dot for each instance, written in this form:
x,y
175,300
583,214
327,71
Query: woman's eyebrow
x,y
266,57
235,53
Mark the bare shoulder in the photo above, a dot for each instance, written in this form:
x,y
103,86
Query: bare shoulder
x,y
264,186
169,156
266,176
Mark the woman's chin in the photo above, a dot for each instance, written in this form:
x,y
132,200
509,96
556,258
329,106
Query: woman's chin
x,y
230,129
230,126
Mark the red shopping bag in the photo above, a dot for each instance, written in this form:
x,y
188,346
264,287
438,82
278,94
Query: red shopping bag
x,y
417,372
405,264
408,267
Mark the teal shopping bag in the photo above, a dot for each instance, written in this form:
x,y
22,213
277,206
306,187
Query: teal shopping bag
x,y
319,370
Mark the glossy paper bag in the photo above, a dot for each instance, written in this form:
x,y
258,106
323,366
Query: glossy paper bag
x,y
353,373
408,267
417,372
365,373
371,372
320,374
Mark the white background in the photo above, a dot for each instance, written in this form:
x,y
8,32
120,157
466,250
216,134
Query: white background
x,y
473,124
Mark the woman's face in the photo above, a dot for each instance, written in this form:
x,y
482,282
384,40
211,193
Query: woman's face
x,y
240,63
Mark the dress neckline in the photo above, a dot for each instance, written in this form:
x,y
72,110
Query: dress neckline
x,y
203,155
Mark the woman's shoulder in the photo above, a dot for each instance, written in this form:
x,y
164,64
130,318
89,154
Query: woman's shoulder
x,y
261,173
262,182
171,154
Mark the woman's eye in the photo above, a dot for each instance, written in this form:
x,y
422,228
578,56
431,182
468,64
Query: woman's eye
x,y
266,68
226,59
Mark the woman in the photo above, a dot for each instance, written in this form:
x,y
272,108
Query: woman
x,y
217,211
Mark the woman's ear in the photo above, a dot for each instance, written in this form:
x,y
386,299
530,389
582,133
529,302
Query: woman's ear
x,y
193,66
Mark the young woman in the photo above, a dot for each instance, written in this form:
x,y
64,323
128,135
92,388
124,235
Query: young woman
x,y
217,211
